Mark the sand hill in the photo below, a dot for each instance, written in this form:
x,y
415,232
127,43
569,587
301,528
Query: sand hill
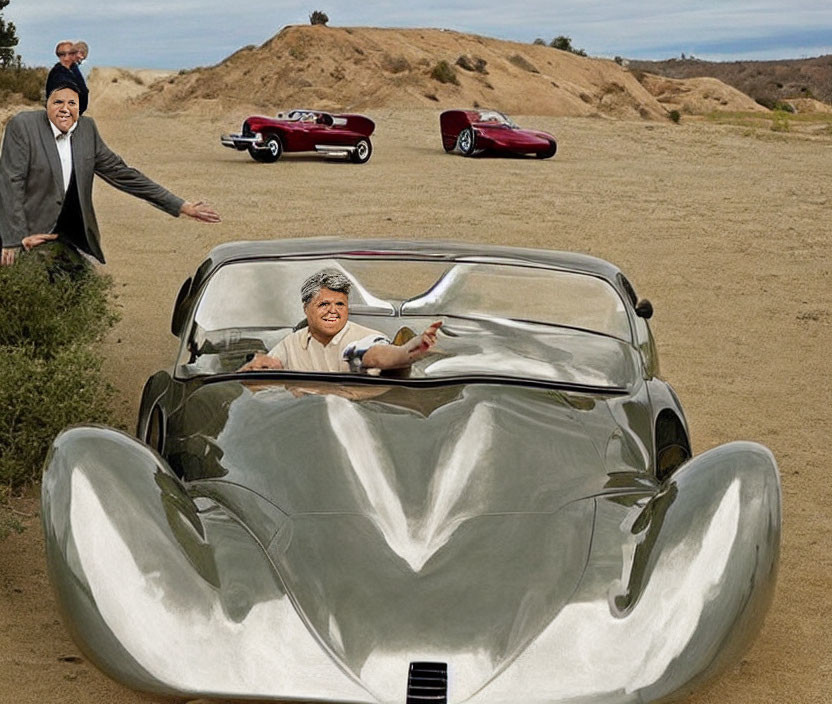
x,y
367,68
698,96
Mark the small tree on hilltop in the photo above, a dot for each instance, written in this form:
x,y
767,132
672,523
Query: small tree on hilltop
x,y
8,39
564,43
317,17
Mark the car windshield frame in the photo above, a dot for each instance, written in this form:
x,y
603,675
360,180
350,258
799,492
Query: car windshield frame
x,y
487,338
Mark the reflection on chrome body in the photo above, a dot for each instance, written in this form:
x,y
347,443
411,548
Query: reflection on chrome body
x,y
310,538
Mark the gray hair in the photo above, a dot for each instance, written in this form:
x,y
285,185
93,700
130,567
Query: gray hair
x,y
332,279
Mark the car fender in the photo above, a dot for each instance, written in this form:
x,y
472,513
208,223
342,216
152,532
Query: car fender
x,y
127,547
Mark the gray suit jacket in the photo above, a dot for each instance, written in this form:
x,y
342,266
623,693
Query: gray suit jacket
x,y
32,187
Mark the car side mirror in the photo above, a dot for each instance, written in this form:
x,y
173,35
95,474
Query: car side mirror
x,y
644,309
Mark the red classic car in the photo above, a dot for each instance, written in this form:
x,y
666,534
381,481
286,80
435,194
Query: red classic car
x,y
479,131
266,138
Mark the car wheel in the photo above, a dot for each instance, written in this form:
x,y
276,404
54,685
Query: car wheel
x,y
550,152
362,152
269,155
465,141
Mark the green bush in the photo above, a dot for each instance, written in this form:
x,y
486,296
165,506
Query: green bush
x,y
39,397
45,308
27,82
444,73
675,116
50,370
564,43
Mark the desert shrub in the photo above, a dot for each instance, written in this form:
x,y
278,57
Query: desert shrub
x,y
318,17
472,63
50,371
675,116
523,62
39,397
27,82
297,53
45,310
773,103
395,64
444,73
465,62
539,42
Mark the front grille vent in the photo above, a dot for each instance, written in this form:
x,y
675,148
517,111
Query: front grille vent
x,y
427,683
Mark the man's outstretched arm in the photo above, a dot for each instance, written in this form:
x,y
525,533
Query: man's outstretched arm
x,y
400,356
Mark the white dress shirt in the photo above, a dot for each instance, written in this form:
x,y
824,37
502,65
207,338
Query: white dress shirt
x,y
64,142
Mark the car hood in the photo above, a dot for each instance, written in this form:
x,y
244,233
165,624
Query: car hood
x,y
432,453
451,522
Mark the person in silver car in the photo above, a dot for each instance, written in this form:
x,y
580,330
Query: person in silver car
x,y
331,342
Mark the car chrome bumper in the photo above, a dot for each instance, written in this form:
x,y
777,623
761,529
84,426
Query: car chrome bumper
x,y
240,142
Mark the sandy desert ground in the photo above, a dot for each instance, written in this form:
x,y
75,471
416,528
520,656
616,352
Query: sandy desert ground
x,y
726,230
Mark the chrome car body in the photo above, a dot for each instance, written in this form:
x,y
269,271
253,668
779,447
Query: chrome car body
x,y
518,518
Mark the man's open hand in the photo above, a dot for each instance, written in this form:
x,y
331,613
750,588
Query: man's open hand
x,y
200,211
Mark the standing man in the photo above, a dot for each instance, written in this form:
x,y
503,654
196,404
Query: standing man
x,y
67,70
82,50
47,164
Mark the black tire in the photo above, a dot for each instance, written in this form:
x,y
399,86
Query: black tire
x,y
466,142
550,152
362,152
269,155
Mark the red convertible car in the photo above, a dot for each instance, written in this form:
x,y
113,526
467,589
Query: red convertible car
x,y
474,132
266,138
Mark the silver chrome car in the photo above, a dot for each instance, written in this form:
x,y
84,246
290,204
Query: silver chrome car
x,y
517,518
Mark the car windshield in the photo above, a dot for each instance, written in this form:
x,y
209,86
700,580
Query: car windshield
x,y
506,319
497,118
297,115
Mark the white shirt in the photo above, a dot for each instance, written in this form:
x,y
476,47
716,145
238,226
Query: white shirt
x,y
64,142
302,352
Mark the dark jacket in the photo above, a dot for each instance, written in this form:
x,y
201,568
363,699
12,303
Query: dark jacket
x,y
32,187
59,72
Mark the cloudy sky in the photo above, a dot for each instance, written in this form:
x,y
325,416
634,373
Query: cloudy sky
x,y
187,33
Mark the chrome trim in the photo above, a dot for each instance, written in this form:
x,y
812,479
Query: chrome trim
x,y
332,150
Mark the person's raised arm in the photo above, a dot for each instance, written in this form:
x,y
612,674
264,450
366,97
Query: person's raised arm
x,y
111,167
400,356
